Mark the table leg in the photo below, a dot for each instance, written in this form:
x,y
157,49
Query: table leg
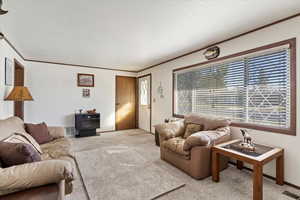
x,y
239,164
280,170
215,166
258,182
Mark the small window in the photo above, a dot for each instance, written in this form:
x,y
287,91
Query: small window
x,y
144,92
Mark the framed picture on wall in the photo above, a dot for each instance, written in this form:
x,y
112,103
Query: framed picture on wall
x,y
85,80
86,93
8,72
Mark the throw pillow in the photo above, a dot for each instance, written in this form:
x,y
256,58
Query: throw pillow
x,y
24,138
192,128
39,132
170,130
17,153
209,122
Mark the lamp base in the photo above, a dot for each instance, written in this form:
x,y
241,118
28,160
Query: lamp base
x,y
3,12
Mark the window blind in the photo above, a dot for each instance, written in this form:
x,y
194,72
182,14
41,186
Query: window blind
x,y
253,89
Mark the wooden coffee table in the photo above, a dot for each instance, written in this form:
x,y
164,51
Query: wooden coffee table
x,y
261,156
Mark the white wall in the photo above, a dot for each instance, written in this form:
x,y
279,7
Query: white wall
x,y
56,95
55,92
6,107
162,108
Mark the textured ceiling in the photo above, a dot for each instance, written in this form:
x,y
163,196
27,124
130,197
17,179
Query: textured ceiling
x,y
130,34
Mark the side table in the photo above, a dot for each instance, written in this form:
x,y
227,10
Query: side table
x,y
261,156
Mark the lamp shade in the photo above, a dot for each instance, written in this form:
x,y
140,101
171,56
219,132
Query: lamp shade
x,y
19,93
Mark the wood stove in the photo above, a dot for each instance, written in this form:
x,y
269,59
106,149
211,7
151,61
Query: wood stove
x,y
86,124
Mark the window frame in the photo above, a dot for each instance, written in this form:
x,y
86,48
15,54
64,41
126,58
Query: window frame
x,y
293,87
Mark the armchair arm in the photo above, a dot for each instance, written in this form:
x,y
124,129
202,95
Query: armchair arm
x,y
57,132
207,138
170,130
35,174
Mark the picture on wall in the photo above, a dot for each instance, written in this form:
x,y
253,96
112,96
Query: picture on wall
x,y
8,72
85,80
86,93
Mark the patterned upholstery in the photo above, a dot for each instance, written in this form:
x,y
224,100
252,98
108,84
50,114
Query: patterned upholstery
x,y
176,145
57,165
56,149
193,154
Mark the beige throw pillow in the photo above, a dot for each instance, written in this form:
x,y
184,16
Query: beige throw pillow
x,y
24,138
209,122
192,128
170,130
207,138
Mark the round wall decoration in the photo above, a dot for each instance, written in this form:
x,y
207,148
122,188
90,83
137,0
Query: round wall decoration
x,y
212,52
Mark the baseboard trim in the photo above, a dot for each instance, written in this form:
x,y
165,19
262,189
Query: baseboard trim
x,y
106,131
268,176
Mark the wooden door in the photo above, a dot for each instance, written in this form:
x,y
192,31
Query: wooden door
x,y
125,102
19,81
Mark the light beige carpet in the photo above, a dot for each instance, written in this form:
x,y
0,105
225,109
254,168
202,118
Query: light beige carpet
x,y
120,173
234,184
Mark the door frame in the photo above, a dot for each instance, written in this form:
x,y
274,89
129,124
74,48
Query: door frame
x,y
138,99
136,103
19,66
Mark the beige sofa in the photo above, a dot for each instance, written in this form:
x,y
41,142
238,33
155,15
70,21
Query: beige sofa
x,y
57,163
193,154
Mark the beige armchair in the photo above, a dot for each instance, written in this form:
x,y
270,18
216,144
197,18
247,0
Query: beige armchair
x,y
193,154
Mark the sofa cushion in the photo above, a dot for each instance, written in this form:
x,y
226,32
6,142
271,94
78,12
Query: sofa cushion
x,y
57,148
57,132
39,132
10,126
17,153
170,130
24,138
35,174
176,145
192,128
207,138
209,122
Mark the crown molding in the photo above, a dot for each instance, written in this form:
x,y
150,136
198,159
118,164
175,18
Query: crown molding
x,y
155,65
77,65
60,63
226,40
13,47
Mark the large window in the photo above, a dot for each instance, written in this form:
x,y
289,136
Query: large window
x,y
255,90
